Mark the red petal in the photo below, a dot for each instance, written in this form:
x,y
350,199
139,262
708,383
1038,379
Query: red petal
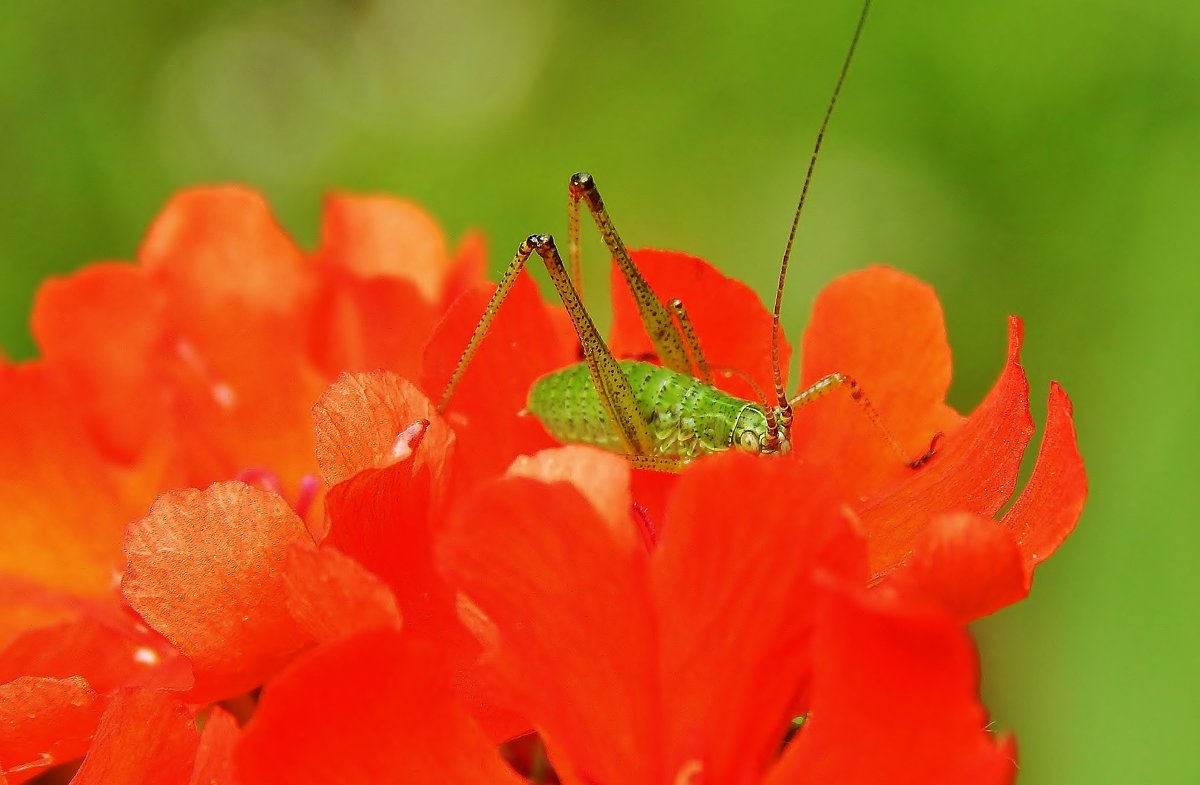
x,y
25,606
733,326
974,470
468,270
240,395
359,417
383,519
571,603
145,736
485,412
884,329
233,358
360,324
222,245
109,651
894,700
214,757
602,478
965,564
97,328
1050,505
733,578
64,505
44,722
384,236
204,569
331,596
368,709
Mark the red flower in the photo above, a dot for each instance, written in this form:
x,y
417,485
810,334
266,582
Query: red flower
x,y
681,666
198,363
546,602
234,580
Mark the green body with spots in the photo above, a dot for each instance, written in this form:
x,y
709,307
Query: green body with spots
x,y
686,417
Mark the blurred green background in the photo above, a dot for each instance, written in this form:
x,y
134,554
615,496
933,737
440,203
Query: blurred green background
x,y
1038,158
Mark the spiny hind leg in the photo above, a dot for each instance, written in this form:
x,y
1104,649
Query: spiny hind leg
x,y
660,326
703,371
612,386
616,396
833,381
657,463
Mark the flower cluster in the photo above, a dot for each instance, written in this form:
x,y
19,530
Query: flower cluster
x,y
242,546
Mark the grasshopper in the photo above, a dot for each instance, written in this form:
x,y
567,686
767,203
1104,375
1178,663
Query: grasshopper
x,y
661,417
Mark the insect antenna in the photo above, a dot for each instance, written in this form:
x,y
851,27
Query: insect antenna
x,y
729,371
780,394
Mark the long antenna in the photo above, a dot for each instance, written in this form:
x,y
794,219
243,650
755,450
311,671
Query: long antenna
x,y
780,394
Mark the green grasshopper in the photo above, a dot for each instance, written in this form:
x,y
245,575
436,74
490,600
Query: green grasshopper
x,y
659,417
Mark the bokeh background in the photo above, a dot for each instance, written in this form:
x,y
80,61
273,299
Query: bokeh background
x,y
1039,158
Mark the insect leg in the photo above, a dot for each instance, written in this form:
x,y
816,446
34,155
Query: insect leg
x,y
489,314
616,395
835,380
703,371
657,319
573,249
657,463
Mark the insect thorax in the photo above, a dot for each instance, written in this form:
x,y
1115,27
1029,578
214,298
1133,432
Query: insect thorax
x,y
686,417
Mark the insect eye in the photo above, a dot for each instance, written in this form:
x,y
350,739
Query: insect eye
x,y
748,441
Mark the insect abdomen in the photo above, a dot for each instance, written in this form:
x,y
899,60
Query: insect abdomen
x,y
686,417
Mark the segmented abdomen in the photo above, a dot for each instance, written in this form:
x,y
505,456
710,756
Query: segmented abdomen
x,y
685,416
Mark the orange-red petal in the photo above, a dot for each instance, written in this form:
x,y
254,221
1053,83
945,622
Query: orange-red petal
x,y
974,470
224,247
468,269
485,412
733,326
734,586
602,477
214,756
382,236
359,417
108,649
572,607
332,596
884,329
44,722
97,328
145,737
367,709
1051,503
64,506
360,324
894,699
381,519
967,565
204,568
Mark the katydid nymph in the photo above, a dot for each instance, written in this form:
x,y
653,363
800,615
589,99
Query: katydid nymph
x,y
660,417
